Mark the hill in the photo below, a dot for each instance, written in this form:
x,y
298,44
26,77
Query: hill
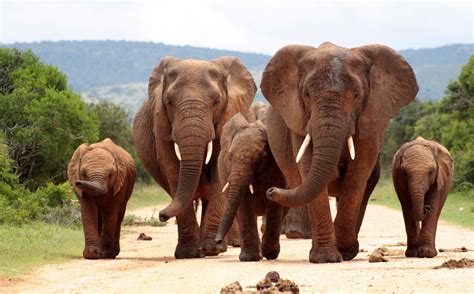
x,y
119,70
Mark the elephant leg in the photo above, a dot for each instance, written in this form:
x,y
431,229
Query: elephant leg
x,y
426,239
108,237
412,227
271,234
371,183
118,229
188,235
250,241
214,213
323,248
90,223
297,224
353,190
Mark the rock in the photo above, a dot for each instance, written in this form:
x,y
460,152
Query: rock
x,y
273,276
232,288
144,237
452,263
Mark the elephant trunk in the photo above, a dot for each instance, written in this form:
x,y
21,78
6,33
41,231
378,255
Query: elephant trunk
x,y
418,203
328,137
93,188
238,185
192,150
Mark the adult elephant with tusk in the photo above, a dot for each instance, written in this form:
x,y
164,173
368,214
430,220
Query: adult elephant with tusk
x,y
177,132
336,103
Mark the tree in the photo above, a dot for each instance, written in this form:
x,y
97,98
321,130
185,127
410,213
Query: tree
x,y
42,120
116,123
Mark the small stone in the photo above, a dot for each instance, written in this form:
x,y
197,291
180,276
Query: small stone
x,y
263,284
144,237
273,276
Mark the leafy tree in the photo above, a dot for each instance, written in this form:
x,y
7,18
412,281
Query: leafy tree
x,y
116,123
42,120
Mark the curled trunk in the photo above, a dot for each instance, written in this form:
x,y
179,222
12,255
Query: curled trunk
x,y
94,188
328,139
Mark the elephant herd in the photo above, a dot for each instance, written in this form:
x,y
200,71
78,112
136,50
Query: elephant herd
x,y
199,138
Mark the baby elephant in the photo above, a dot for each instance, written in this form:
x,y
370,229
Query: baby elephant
x,y
246,170
103,175
422,172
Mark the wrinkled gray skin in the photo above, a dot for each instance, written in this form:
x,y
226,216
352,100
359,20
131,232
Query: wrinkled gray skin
x,y
103,175
422,173
332,94
245,159
188,103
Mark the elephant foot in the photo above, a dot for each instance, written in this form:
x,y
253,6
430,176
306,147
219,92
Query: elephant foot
x,y
348,253
233,239
249,255
210,247
324,255
412,251
428,251
91,252
183,251
108,254
271,252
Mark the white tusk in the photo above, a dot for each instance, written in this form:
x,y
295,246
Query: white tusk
x,y
350,145
176,150
209,152
303,147
251,188
225,187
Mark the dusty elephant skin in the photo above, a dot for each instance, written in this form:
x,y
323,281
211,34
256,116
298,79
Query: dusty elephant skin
x,y
103,175
422,173
177,132
338,102
247,169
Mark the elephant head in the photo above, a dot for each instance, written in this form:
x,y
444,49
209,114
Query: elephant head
x,y
191,100
244,157
331,94
97,169
423,167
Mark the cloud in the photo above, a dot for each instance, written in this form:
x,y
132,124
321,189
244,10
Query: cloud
x,y
259,26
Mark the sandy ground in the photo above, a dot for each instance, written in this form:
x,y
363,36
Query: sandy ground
x,y
149,266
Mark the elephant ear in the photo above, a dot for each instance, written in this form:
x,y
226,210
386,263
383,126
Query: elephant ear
x,y
280,86
231,128
392,86
240,86
74,167
445,166
155,95
258,111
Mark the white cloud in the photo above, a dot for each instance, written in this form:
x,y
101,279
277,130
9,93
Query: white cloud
x,y
259,26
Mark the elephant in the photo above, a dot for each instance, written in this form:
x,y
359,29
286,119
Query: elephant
x,y
335,101
422,173
103,175
246,170
177,135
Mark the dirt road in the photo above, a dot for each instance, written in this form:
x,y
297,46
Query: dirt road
x,y
149,266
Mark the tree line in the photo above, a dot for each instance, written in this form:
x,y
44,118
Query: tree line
x,y
42,121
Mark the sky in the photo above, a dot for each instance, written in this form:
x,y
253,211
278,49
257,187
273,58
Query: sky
x,y
261,26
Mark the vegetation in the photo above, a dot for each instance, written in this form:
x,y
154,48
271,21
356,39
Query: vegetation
x,y
26,246
449,122
146,195
458,209
91,65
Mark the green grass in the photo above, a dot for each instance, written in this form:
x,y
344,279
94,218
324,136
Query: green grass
x,y
458,209
134,220
27,246
147,195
